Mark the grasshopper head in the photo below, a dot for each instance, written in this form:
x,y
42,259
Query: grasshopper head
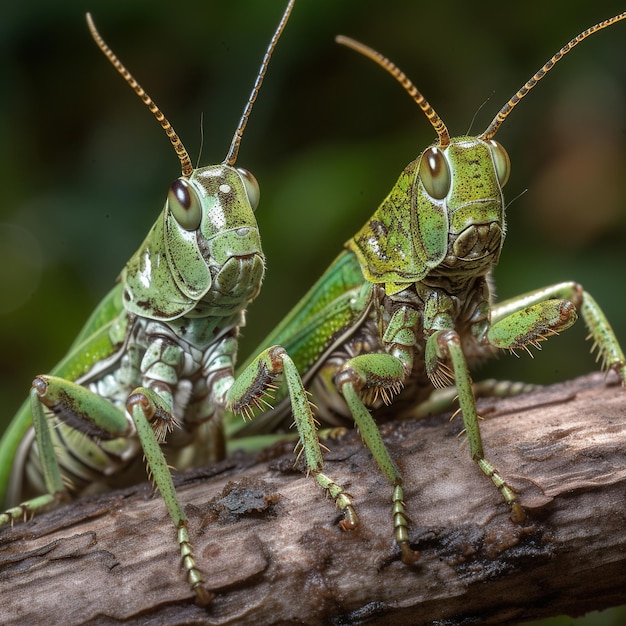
x,y
223,199
203,255
471,173
444,215
204,249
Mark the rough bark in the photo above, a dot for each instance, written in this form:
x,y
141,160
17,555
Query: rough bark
x,y
272,551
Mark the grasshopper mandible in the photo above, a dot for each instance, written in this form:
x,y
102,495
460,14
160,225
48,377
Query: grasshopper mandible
x,y
152,370
408,306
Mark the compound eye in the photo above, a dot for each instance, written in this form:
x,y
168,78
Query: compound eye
x,y
501,161
184,203
252,187
435,173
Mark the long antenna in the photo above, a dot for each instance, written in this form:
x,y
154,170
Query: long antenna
x,y
231,157
493,128
185,161
401,77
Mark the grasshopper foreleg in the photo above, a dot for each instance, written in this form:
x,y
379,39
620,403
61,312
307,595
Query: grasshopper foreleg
x,y
76,407
249,391
443,347
387,372
149,413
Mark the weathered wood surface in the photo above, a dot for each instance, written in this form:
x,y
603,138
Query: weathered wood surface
x,y
272,551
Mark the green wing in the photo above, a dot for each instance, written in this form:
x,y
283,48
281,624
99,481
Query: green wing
x,y
101,337
330,310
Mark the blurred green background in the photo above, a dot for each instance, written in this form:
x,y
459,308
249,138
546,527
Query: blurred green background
x,y
85,169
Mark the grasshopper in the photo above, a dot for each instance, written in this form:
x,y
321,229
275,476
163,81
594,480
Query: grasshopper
x,y
407,307
152,370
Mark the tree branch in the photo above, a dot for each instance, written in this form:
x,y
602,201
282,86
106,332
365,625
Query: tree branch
x,y
271,549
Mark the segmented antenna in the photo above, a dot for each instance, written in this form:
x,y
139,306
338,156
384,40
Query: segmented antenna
x,y
401,77
493,128
231,157
185,161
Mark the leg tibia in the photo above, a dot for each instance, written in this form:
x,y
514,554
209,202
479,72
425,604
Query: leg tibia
x,y
449,342
303,415
374,442
370,433
609,351
47,457
143,405
309,440
249,389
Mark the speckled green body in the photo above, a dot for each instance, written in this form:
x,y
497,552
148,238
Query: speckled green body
x,y
179,337
168,331
392,266
408,306
149,376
